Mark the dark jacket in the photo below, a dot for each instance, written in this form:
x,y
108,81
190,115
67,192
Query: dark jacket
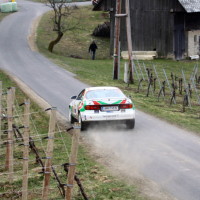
x,y
93,47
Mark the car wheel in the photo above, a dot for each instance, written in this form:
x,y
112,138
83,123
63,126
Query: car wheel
x,y
71,118
83,125
130,124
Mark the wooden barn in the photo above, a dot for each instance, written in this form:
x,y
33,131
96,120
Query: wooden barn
x,y
171,27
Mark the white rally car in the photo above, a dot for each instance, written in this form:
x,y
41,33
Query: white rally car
x,y
96,104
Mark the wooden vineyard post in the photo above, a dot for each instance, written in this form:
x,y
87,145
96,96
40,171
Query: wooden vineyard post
x,y
0,110
9,147
26,149
49,154
72,161
129,41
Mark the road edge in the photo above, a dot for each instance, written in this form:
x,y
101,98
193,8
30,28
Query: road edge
x,y
31,38
35,97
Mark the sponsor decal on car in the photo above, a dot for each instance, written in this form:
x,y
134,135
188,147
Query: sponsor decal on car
x,y
104,103
82,106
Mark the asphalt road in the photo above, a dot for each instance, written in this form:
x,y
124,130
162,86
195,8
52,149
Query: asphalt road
x,y
167,155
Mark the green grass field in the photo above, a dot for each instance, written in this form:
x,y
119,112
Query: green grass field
x,y
75,42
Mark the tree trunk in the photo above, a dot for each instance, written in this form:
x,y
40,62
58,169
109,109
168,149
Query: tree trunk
x,y
54,42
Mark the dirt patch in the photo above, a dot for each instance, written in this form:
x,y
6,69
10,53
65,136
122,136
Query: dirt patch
x,y
36,98
33,34
146,188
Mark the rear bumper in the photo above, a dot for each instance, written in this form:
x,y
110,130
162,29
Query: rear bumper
x,y
104,116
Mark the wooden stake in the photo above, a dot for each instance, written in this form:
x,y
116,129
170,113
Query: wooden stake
x,y
0,110
129,41
49,154
9,149
72,161
116,40
26,149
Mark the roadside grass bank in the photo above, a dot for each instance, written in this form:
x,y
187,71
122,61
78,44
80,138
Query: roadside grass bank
x,y
2,15
99,72
75,43
94,178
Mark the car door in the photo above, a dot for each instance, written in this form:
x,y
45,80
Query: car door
x,y
78,102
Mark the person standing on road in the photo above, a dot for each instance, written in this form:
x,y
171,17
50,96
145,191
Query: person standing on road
x,y
92,49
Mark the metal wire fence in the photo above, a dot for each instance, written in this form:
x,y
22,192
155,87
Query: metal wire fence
x,y
43,172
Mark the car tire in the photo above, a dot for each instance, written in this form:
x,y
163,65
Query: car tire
x,y
84,125
130,124
71,118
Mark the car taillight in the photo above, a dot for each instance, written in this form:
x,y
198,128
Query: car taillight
x,y
125,106
92,107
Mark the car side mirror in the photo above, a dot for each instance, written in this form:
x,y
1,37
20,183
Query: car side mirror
x,y
73,97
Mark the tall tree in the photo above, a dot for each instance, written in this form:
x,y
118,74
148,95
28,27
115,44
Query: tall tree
x,y
62,19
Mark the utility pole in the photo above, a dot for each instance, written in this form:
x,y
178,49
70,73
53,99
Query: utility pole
x,y
118,16
116,40
129,41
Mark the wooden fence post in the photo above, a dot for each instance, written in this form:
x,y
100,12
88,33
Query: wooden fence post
x,y
72,161
129,41
9,149
49,154
0,110
116,65
26,149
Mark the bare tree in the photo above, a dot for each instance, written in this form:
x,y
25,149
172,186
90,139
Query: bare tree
x,y
62,19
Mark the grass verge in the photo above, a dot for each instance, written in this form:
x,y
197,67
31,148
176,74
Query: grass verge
x,y
2,15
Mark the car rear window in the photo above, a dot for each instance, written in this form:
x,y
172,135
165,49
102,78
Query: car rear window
x,y
105,93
